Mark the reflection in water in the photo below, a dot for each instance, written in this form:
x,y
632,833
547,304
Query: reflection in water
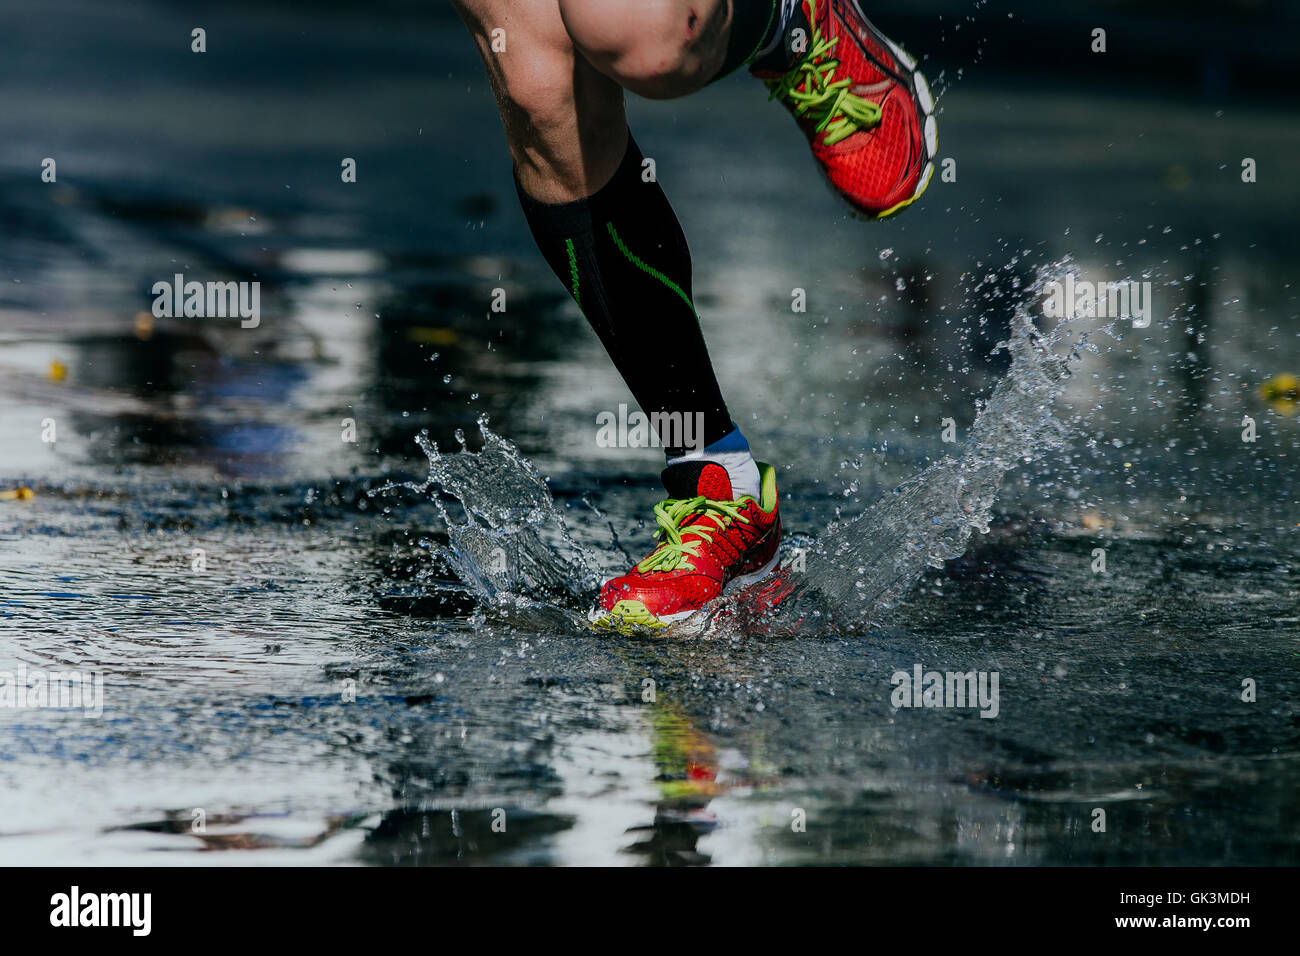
x,y
463,721
494,837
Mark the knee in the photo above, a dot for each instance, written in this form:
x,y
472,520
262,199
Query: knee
x,y
655,48
544,109
561,152
534,92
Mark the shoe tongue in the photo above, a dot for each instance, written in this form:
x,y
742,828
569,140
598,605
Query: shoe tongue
x,y
688,479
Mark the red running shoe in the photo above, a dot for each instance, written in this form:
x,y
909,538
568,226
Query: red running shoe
x,y
709,543
858,96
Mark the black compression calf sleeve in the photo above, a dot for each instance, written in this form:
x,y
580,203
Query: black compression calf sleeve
x,y
622,255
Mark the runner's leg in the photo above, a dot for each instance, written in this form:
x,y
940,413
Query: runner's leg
x,y
607,231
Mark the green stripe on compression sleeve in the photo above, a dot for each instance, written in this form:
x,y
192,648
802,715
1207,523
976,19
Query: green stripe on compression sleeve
x,y
647,269
573,271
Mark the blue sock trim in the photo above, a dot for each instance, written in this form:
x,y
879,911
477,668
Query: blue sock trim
x,y
734,440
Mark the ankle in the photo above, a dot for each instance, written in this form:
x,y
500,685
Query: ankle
x,y
732,452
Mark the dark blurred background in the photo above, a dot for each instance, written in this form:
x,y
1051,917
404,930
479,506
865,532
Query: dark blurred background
x,y
226,165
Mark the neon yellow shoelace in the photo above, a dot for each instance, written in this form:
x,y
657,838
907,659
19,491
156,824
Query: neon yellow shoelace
x,y
669,515
828,101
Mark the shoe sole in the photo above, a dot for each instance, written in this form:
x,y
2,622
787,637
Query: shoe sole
x,y
633,617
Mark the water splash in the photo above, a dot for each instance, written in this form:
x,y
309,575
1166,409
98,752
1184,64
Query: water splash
x,y
509,544
512,547
860,568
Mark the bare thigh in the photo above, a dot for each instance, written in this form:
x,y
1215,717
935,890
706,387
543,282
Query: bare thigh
x,y
564,120
660,49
